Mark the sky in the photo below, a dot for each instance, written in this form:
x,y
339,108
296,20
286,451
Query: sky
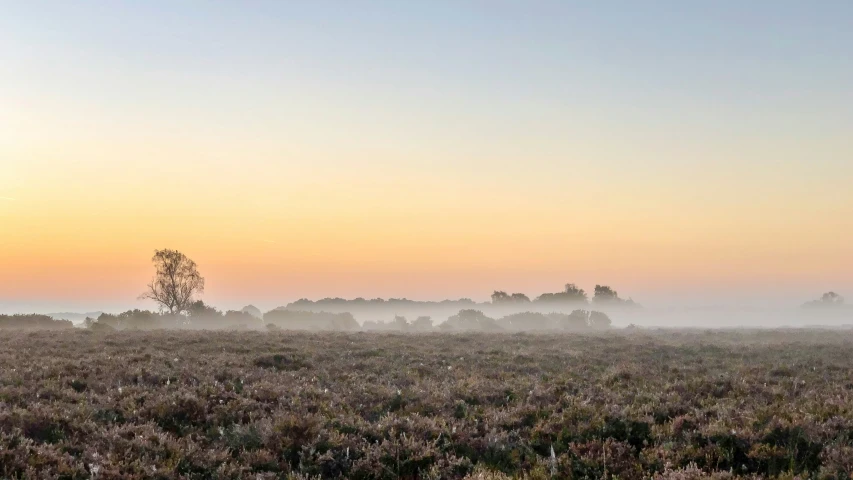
x,y
682,152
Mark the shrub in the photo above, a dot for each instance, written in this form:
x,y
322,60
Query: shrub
x,y
299,320
33,322
284,362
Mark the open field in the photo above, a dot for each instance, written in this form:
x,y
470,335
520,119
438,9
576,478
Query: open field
x,y
167,404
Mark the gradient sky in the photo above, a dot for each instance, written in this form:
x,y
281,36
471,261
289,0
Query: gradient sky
x,y
679,151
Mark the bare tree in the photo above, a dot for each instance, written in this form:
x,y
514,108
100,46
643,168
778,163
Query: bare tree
x,y
176,281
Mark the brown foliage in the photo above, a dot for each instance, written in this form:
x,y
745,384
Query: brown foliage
x,y
187,404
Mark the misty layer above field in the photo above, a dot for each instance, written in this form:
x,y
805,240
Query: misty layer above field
x,y
74,317
204,317
505,313
33,322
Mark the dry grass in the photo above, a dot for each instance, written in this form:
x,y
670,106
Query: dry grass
x,y
670,405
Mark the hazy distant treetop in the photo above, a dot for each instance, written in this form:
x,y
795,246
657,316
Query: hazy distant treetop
x,y
200,309
603,293
470,320
599,320
500,297
337,302
526,321
422,324
464,301
253,311
570,293
520,298
828,299
131,319
832,297
400,322
572,289
606,295
176,281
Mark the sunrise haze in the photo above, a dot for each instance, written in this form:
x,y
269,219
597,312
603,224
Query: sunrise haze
x,y
680,152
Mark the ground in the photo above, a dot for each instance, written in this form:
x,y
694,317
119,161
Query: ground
x,y
626,405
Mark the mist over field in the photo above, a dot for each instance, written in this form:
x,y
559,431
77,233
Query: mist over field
x,y
377,313
828,312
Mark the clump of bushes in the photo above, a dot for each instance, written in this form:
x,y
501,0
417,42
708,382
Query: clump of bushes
x,y
577,321
471,321
297,320
198,317
33,322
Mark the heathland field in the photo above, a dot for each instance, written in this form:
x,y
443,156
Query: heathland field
x,y
666,404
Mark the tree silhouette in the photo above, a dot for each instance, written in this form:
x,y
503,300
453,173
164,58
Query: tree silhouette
x,y
577,320
400,323
176,281
828,299
604,294
470,320
832,297
520,298
253,311
500,297
599,320
131,319
422,324
570,293
200,309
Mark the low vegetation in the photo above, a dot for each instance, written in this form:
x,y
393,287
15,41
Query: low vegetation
x,y
629,405
203,317
32,322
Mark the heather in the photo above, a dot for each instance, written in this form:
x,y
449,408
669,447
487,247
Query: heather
x,y
637,404
32,322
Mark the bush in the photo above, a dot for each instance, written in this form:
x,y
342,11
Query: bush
x,y
297,320
470,321
33,322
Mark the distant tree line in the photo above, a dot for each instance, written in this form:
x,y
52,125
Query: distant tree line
x,y
827,300
197,315
343,302
206,317
603,295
